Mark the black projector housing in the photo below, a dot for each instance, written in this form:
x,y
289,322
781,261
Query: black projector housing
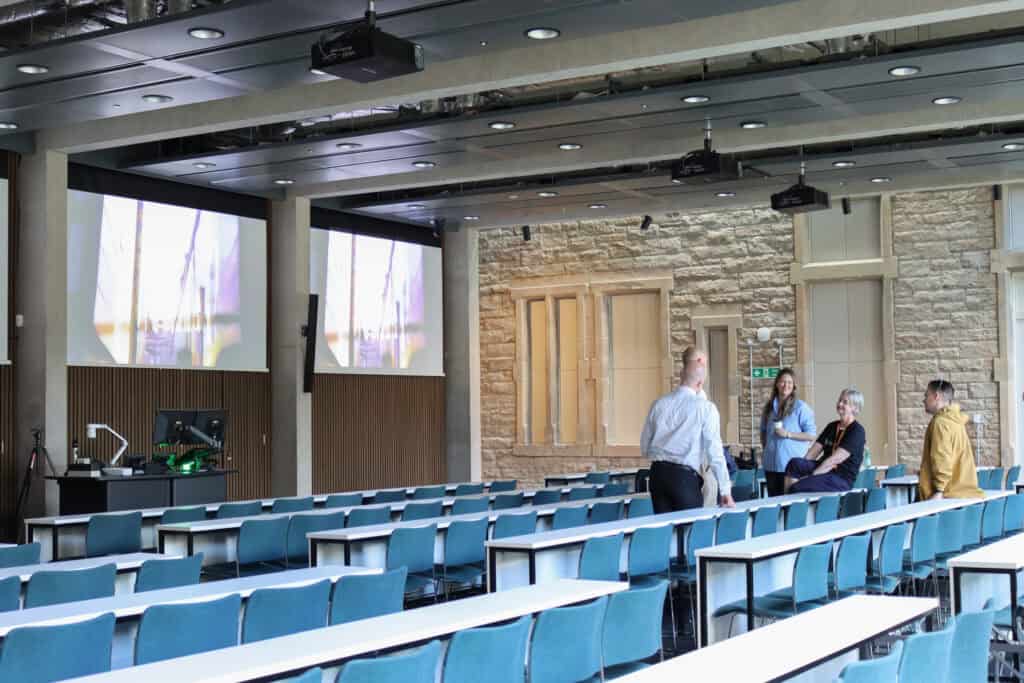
x,y
800,199
705,166
366,54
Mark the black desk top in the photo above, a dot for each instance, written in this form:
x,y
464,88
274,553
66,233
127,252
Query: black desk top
x,y
136,477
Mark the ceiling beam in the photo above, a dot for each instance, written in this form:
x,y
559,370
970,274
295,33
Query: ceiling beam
x,y
786,23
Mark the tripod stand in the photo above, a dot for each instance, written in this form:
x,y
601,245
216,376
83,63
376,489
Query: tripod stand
x,y
26,481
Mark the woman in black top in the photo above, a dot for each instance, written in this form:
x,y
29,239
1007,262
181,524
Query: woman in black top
x,y
833,461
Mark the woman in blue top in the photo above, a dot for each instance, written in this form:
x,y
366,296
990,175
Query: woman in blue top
x,y
786,424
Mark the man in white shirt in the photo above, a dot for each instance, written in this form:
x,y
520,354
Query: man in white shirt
x,y
680,432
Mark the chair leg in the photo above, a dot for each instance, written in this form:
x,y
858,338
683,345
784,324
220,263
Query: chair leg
x,y
672,614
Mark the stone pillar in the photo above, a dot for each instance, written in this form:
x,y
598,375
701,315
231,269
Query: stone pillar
x,y
462,356
291,446
40,347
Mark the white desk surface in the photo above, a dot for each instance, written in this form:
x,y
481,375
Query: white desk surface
x,y
799,641
313,648
629,471
1007,554
134,604
907,480
126,562
793,540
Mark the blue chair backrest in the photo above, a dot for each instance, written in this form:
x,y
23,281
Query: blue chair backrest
x,y
992,519
1012,475
71,585
178,630
284,505
19,555
968,656
597,478
568,517
1013,515
412,548
876,500
796,515
515,524
314,675
894,471
507,501
158,574
950,534
362,596
40,654
262,540
464,542
826,509
368,516
599,560
500,651
923,539
414,511
865,480
244,509
466,506
649,550
852,563
995,479
632,624
701,535
852,504
389,496
874,670
297,545
766,520
10,593
743,485
178,515
546,496
926,656
605,512
417,666
114,534
428,492
890,554
972,524
469,489
566,643
611,490
810,573
639,507
732,526
344,500
582,492
274,612
503,486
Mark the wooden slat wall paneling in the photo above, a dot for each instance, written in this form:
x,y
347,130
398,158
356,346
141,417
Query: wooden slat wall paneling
x,y
374,431
247,400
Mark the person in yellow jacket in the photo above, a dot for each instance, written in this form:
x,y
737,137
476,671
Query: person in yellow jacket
x,y
947,461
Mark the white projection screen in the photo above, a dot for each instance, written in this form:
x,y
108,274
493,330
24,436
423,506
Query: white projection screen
x,y
156,285
380,305
4,272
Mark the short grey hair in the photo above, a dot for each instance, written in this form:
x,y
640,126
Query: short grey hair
x,y
855,398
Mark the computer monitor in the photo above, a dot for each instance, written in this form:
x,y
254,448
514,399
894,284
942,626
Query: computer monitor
x,y
181,427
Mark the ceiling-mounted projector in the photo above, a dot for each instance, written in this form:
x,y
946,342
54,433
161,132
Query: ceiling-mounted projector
x,y
801,198
705,165
364,53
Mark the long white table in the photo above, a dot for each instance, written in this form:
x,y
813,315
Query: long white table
x,y
328,647
545,556
814,646
127,566
626,476
991,571
900,490
755,566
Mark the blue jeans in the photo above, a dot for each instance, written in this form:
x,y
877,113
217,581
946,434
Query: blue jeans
x,y
801,468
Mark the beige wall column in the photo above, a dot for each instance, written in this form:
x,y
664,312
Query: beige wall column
x,y
1003,263
462,356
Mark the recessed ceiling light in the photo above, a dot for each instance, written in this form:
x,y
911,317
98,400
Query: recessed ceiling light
x,y
598,206
288,130
203,165
542,33
905,70
348,146
513,196
751,125
8,125
471,218
725,195
156,99
844,163
1013,146
881,179
284,181
696,99
501,125
206,33
424,164
547,194
570,146
677,181
317,72
947,99
417,207
33,69
483,43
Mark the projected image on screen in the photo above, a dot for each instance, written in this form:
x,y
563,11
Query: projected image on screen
x,y
380,307
159,285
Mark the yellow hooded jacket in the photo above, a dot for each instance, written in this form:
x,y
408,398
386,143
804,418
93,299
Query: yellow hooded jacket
x,y
947,461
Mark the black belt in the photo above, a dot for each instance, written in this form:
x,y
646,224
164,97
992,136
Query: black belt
x,y
676,464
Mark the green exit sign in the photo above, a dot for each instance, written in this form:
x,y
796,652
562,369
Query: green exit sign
x,y
764,373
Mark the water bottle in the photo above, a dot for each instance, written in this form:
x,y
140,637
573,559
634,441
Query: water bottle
x,y
867,458
74,451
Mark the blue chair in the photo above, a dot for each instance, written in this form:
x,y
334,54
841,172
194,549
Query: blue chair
x,y
852,504
568,517
701,534
969,653
886,571
415,511
632,628
639,507
949,536
894,471
876,500
19,555
503,486
926,656
972,526
732,526
605,512
1012,475
469,489
547,496
261,541
611,490
389,496
597,478
428,492
766,521
368,516
743,486
500,651
851,573
363,596
314,675
508,501
468,506
70,585
344,500
599,560
288,505
919,559
296,543
995,479
566,643
582,493
464,553
796,515
10,594
113,534
416,666
865,480
178,630
515,525
159,574
41,654
992,520
179,515
413,548
649,563
274,612
1013,514
874,670
244,509
826,509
